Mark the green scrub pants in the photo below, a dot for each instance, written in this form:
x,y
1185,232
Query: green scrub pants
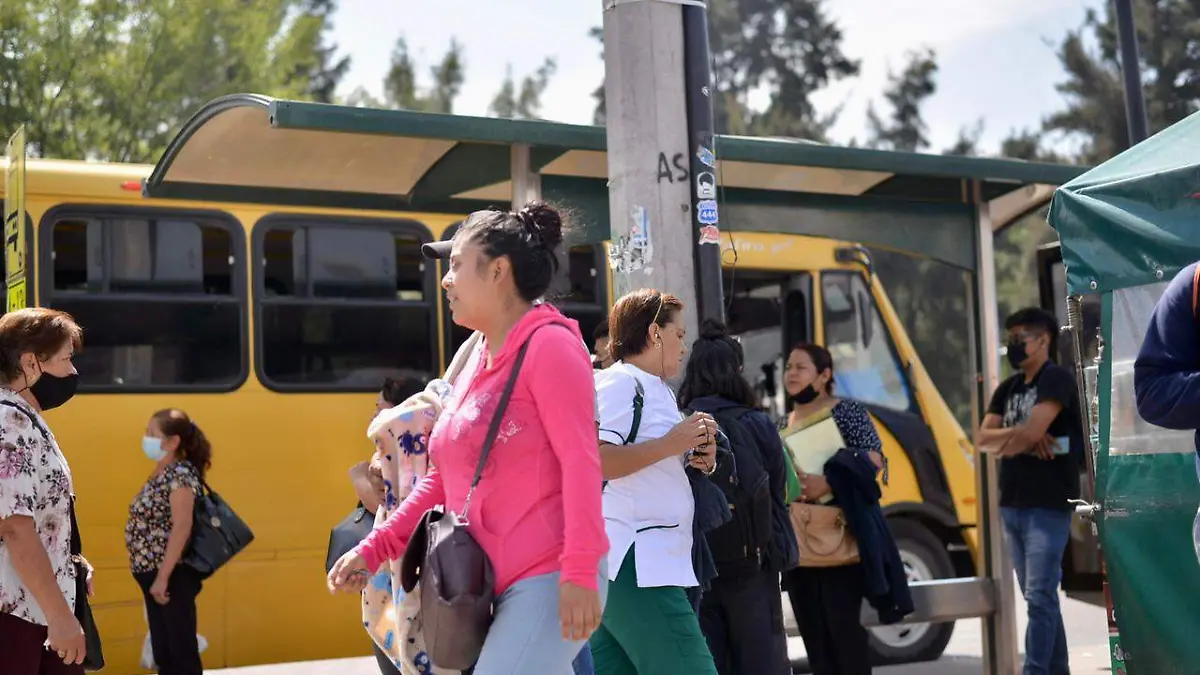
x,y
649,631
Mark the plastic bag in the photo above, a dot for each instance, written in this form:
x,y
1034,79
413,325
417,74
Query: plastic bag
x,y
147,659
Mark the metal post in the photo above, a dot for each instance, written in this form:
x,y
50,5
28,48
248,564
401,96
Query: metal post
x,y
648,168
527,187
1131,71
526,183
999,628
706,239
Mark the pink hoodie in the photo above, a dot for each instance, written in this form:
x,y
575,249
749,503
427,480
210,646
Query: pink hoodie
x,y
537,509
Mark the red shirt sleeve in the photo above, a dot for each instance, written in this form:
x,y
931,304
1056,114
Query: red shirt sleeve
x,y
561,380
387,542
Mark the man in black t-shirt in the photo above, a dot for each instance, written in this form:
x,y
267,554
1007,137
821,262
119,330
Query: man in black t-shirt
x,y
1033,426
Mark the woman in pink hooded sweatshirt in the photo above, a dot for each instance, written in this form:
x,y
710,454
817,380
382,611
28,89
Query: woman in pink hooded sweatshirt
x,y
537,510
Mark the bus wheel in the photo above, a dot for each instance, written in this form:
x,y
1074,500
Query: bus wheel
x,y
925,558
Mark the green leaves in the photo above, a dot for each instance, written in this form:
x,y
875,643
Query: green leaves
x,y
115,79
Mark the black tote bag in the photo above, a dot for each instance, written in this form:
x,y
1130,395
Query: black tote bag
x,y
218,534
347,534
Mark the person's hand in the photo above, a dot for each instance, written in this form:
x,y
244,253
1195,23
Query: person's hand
x,y
813,486
579,611
698,431
65,638
91,572
349,574
1044,449
158,590
704,459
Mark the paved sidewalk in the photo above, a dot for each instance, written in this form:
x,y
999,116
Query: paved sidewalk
x,y
1087,635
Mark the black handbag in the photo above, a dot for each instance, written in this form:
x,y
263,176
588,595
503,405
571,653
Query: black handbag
x,y
94,658
347,534
218,534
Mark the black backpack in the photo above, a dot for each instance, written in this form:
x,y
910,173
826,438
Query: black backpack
x,y
740,546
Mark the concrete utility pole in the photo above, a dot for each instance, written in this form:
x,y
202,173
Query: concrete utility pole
x,y
651,179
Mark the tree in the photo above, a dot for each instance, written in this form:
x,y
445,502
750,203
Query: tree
x,y
600,116
1028,145
524,102
967,144
324,78
115,79
905,93
1170,59
402,91
789,47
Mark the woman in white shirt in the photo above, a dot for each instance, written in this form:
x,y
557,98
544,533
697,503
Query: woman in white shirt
x,y
649,626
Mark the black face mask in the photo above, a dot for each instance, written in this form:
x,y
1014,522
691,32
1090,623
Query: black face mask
x,y
1016,353
52,391
805,396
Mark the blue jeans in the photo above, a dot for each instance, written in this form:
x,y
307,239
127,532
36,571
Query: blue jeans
x,y
582,665
1038,538
526,634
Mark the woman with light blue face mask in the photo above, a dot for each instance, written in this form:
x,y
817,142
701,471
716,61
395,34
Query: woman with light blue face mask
x,y
159,527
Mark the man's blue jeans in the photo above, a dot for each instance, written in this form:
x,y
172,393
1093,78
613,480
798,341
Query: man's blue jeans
x,y
1038,539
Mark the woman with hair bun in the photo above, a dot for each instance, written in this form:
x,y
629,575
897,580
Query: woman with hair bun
x,y
157,534
536,511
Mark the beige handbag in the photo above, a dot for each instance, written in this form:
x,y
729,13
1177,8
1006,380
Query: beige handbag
x,y
823,536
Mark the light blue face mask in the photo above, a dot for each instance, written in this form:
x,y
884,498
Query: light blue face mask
x,y
153,448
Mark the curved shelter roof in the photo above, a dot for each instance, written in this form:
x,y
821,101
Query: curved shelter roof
x,y
248,147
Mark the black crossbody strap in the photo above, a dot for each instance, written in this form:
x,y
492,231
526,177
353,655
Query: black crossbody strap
x,y
494,427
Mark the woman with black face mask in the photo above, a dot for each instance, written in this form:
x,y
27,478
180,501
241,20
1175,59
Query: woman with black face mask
x,y
827,601
44,580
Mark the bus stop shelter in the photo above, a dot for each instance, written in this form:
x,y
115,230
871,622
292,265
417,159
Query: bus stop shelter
x,y
257,149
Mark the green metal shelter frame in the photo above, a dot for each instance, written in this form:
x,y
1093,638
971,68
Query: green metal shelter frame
x,y
252,148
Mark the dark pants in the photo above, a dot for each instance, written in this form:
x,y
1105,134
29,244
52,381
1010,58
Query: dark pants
x,y
173,625
386,667
742,619
22,645
1038,538
827,602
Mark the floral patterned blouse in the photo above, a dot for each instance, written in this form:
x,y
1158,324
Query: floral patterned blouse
x,y
35,481
150,515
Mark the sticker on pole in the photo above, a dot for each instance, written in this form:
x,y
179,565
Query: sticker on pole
x,y
709,234
706,156
706,185
706,212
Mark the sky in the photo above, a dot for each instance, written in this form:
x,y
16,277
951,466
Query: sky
x,y
997,59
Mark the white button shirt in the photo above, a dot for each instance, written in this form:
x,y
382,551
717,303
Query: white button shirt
x,y
652,508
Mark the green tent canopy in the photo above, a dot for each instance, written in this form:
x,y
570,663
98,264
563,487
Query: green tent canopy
x,y
1126,228
1134,219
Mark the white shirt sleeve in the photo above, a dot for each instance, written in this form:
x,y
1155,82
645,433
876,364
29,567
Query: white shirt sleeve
x,y
615,389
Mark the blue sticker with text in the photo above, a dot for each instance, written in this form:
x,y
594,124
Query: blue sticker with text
x,y
706,212
706,156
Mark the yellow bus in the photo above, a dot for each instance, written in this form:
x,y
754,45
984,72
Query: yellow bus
x,y
274,326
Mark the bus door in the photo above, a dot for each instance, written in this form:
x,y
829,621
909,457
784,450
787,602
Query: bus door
x,y
769,311
1081,565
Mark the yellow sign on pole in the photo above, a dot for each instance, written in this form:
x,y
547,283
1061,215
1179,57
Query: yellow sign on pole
x,y
14,222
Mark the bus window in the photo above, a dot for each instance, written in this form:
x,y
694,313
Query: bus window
x,y
584,298
342,305
159,296
865,364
